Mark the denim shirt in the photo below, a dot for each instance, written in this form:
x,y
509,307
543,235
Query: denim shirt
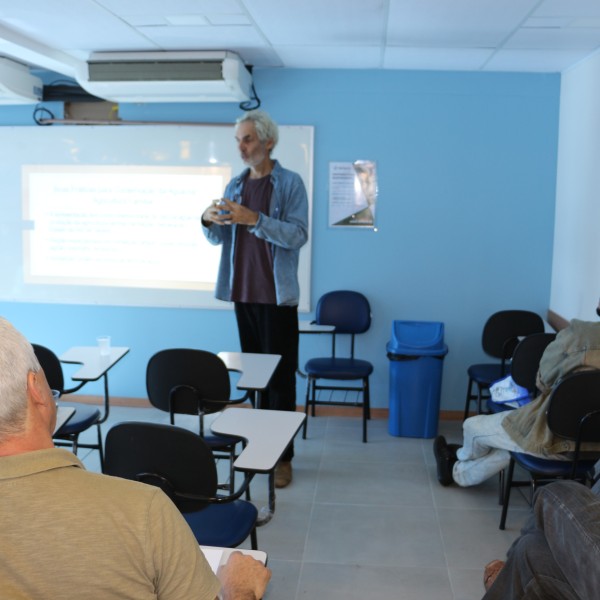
x,y
285,228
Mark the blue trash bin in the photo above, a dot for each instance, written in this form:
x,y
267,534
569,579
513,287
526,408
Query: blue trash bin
x,y
416,352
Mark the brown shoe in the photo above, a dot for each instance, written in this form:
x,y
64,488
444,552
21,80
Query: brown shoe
x,y
283,474
491,571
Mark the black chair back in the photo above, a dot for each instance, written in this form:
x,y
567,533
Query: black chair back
x,y
51,366
574,407
174,459
502,331
187,381
526,359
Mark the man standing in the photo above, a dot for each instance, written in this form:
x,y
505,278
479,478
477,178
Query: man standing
x,y
68,533
261,223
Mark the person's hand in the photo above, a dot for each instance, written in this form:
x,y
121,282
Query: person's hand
x,y
214,213
243,577
226,212
236,213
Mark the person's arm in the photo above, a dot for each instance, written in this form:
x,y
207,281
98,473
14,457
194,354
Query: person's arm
x,y
243,578
215,235
552,362
175,562
289,227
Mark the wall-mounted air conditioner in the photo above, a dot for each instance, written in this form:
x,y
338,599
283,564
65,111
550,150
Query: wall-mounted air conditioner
x,y
17,84
167,77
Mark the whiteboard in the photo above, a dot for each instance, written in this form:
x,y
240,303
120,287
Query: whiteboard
x,y
191,162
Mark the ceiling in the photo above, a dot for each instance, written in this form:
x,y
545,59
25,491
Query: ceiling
x,y
465,35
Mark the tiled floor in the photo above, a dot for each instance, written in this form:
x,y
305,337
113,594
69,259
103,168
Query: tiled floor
x,y
370,520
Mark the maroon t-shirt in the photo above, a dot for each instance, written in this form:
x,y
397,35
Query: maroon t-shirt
x,y
252,261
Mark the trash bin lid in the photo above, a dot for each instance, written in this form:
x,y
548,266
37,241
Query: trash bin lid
x,y
417,338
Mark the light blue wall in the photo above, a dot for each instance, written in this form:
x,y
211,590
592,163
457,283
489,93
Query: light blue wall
x,y
467,168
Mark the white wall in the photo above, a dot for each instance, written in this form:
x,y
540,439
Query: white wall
x,y
576,264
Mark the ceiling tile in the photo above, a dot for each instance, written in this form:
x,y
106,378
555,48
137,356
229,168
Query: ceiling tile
x,y
228,19
330,57
171,7
445,59
571,8
204,38
460,23
555,39
316,22
145,20
187,20
534,60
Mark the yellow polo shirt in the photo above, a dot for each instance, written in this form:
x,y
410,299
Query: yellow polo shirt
x,y
66,533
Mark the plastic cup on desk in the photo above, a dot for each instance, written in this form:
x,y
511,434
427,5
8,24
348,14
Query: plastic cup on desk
x,y
104,344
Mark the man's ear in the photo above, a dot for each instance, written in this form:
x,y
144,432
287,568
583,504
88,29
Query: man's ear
x,y
34,388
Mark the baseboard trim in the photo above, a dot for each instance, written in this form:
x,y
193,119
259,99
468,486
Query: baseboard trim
x,y
326,411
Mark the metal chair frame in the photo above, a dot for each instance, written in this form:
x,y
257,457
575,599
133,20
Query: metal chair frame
x,y
350,313
573,414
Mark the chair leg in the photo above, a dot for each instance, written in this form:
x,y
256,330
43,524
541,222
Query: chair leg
x,y
308,383
366,407
470,397
479,398
507,485
100,450
253,540
231,470
313,398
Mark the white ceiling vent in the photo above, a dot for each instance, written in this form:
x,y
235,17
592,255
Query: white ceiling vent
x,y
167,77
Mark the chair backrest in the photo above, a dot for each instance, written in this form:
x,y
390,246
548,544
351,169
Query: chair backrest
x,y
187,381
348,311
574,406
502,331
526,359
174,459
51,366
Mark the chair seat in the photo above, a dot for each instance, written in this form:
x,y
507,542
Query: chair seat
x,y
83,418
338,368
487,373
221,442
496,407
543,467
226,525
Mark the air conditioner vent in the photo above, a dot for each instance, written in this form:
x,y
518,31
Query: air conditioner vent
x,y
168,70
167,77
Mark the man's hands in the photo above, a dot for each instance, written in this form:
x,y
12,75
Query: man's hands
x,y
227,212
243,578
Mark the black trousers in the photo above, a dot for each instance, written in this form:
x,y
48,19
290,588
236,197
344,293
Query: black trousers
x,y
272,329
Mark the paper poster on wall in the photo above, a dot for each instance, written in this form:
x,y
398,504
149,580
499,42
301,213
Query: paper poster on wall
x,y
352,193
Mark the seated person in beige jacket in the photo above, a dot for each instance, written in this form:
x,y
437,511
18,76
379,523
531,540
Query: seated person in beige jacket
x,y
488,439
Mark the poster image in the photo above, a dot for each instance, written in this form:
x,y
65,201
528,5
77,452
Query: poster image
x,y
352,193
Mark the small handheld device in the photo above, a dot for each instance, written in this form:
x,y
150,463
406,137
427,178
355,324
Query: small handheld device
x,y
221,202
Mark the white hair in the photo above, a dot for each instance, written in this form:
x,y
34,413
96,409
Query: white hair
x,y
266,128
17,360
